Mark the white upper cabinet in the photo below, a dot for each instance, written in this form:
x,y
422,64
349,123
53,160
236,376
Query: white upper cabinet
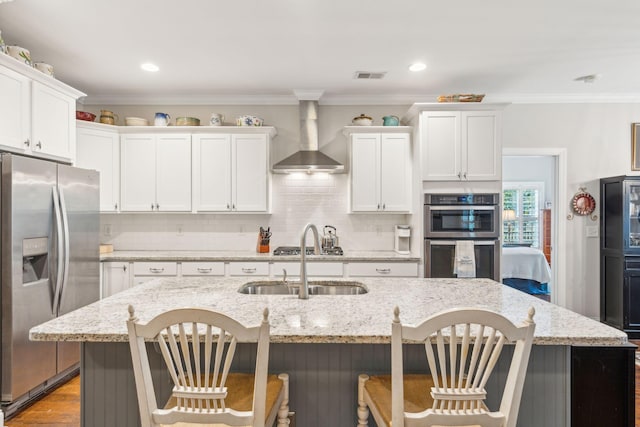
x,y
230,172
380,171
155,173
37,112
15,118
53,122
98,147
461,145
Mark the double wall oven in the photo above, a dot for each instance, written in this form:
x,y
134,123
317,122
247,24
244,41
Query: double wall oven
x,y
449,218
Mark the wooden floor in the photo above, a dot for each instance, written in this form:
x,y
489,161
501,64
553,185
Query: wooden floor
x,y
61,407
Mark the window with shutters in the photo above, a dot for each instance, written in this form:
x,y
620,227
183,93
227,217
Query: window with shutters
x,y
521,204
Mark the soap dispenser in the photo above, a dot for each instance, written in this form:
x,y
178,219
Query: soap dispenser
x,y
402,236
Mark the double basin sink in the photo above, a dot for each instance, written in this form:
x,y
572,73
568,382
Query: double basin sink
x,y
316,287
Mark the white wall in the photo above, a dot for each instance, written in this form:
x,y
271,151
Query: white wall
x,y
597,138
531,169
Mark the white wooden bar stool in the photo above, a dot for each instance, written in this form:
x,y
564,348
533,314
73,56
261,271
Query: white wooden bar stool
x,y
454,394
205,392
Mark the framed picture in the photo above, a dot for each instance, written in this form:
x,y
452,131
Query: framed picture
x,y
635,146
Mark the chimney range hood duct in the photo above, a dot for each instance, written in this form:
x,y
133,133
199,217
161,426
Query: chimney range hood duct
x,y
308,158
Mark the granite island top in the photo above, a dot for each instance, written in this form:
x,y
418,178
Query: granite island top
x,y
326,318
349,256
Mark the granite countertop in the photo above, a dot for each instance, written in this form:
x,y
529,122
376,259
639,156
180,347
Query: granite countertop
x,y
349,256
326,319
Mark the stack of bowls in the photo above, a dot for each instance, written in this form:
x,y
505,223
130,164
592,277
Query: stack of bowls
x,y
187,121
136,121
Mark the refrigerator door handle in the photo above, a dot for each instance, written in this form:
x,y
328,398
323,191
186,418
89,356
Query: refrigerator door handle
x,y
65,225
59,238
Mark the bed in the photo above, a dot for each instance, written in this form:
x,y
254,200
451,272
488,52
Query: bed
x,y
526,269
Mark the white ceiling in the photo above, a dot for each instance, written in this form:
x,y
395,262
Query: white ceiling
x,y
260,51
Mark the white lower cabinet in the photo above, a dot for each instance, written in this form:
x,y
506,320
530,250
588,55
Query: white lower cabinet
x,y
203,268
249,269
145,271
116,278
314,269
382,269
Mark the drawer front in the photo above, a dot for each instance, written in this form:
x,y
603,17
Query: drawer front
x,y
203,268
249,269
155,268
383,269
318,269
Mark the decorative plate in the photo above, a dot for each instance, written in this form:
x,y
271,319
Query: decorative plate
x,y
583,204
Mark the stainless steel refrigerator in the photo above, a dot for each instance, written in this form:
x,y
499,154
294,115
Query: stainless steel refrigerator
x,y
49,259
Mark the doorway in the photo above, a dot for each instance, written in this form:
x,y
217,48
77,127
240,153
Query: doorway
x,y
546,167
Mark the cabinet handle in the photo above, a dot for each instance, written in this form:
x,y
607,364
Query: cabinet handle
x,y
156,270
465,175
248,270
384,206
459,175
39,145
228,206
151,206
124,268
204,270
115,206
378,206
27,143
233,207
157,207
383,270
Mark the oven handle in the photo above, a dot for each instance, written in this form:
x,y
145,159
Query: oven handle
x,y
453,242
462,208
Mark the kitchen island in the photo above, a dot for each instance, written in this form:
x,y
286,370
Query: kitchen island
x,y
326,341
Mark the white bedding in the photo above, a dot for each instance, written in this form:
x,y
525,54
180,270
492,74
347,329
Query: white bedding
x,y
525,263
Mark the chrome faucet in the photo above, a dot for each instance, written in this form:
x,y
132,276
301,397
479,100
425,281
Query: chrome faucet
x,y
304,284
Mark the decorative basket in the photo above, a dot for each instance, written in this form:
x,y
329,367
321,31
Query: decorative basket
x,y
461,97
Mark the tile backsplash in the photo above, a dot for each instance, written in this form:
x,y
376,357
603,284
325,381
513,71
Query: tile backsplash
x,y
296,199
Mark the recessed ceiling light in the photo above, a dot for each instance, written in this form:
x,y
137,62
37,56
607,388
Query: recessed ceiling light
x,y
418,66
148,66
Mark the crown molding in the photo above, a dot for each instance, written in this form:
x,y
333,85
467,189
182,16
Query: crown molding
x,y
329,99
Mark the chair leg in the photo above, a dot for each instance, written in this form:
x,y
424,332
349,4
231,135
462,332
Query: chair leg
x,y
283,412
363,410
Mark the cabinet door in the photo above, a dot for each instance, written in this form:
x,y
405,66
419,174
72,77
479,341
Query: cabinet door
x,y
365,173
53,122
173,173
138,173
100,150
481,148
440,146
212,172
395,172
115,278
14,110
249,159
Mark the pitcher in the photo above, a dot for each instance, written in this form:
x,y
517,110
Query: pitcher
x,y
161,119
217,119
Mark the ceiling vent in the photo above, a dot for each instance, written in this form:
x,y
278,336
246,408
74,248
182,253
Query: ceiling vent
x,y
369,75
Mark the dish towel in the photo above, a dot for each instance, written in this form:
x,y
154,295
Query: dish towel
x,y
465,259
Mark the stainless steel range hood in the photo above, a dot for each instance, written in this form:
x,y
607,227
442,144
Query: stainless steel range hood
x,y
308,159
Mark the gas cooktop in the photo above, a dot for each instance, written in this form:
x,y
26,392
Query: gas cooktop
x,y
295,250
